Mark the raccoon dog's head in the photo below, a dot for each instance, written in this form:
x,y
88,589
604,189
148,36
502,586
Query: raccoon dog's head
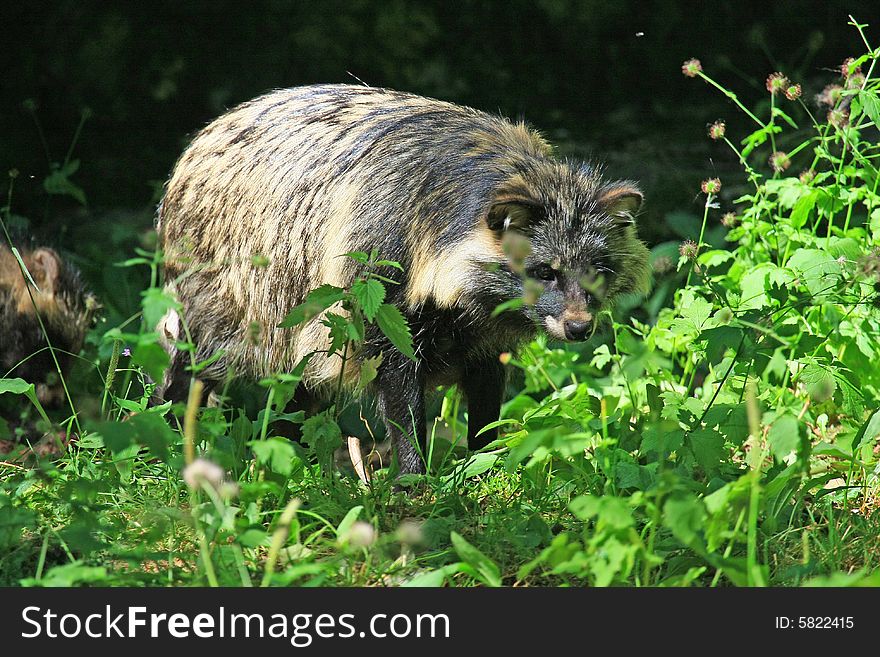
x,y
571,245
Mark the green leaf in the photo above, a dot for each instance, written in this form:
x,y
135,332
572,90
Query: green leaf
x,y
323,436
389,263
370,293
802,208
510,304
819,270
252,538
870,105
434,578
819,381
632,475
613,513
58,182
684,515
156,302
658,440
707,446
342,329
347,522
784,436
753,289
13,522
148,430
276,454
70,574
393,324
851,396
22,387
695,312
477,464
151,356
719,340
317,301
486,570
868,433
758,137
368,371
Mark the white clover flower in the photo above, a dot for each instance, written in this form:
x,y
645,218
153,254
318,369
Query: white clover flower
x,y
361,534
203,470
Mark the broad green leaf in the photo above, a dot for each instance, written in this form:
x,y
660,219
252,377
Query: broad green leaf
x,y
317,301
156,302
393,324
433,578
370,293
323,436
784,436
477,464
819,381
658,440
347,522
695,312
276,454
148,430
802,208
485,568
707,446
714,257
632,475
719,340
685,516
753,289
613,512
22,387
369,369
819,270
870,105
150,355
252,538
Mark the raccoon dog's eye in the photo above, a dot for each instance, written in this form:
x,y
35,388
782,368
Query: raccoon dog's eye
x,y
542,272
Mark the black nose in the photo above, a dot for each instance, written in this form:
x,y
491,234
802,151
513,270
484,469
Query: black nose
x,y
576,330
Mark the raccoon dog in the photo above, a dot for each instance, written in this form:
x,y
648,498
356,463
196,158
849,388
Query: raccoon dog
x,y
475,208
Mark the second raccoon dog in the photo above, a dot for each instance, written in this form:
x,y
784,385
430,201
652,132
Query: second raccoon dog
x,y
62,302
302,176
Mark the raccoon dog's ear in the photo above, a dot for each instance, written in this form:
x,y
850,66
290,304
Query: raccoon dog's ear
x,y
517,215
44,267
621,201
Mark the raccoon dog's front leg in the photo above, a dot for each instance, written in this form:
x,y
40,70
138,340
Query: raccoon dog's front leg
x,y
400,387
483,384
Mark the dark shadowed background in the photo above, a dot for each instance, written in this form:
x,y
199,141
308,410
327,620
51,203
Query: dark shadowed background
x,y
601,79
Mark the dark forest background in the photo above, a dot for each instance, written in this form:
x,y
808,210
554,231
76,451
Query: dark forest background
x,y
601,79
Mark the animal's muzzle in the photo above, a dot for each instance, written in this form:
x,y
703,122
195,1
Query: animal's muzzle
x,y
576,330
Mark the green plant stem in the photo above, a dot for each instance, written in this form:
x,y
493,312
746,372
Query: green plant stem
x,y
82,121
709,199
732,97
